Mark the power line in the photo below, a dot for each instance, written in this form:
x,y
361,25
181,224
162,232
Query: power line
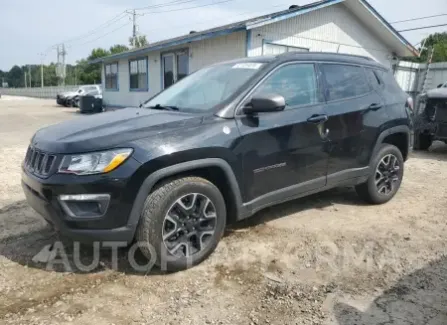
x,y
107,23
123,14
93,40
172,3
102,26
209,20
423,27
418,18
181,9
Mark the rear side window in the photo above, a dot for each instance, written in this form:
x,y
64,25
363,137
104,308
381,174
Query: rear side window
x,y
389,81
344,81
297,83
373,80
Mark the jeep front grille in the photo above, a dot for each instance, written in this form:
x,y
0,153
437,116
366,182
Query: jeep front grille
x,y
38,162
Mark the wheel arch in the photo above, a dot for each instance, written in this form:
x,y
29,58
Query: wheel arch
x,y
399,136
212,169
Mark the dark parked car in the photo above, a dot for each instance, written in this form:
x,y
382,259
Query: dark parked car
x,y
431,118
219,145
90,103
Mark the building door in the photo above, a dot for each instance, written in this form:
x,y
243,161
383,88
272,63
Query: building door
x,y
175,66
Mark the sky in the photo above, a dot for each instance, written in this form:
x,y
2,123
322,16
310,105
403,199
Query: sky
x,y
32,27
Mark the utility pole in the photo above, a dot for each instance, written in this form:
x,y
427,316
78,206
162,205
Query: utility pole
x,y
29,72
42,56
63,64
26,85
134,26
60,69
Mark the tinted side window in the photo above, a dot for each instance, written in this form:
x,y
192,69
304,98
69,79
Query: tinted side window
x,y
344,81
373,80
297,83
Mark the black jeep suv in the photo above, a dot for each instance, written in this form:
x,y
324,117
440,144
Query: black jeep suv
x,y
219,145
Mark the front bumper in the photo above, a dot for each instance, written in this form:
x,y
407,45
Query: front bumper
x,y
111,225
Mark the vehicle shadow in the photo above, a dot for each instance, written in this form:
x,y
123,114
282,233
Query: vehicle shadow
x,y
438,151
417,298
27,249
71,257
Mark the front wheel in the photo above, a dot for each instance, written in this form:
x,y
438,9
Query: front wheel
x,y
181,223
385,180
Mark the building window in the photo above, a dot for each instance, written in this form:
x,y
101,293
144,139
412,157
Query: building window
x,y
275,49
111,72
138,74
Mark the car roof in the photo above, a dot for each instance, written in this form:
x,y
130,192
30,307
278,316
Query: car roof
x,y
312,56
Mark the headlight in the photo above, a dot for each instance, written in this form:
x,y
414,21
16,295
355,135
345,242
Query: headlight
x,y
95,162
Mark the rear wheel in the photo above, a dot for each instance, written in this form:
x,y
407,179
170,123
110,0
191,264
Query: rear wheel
x,y
422,141
385,180
182,223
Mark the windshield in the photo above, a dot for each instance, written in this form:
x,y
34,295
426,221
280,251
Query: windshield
x,y
205,89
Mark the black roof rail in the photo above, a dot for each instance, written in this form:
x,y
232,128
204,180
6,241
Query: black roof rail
x,y
330,53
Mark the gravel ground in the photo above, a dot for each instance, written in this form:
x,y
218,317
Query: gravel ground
x,y
325,259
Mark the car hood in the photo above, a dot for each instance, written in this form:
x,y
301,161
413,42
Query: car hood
x,y
437,93
110,129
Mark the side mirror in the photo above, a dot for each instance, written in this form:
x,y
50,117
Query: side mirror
x,y
265,103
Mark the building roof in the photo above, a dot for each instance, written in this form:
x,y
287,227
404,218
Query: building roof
x,y
360,8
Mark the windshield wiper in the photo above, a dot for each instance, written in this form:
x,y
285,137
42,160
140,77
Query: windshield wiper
x,y
165,107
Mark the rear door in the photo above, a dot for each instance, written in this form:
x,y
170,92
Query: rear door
x,y
283,150
352,107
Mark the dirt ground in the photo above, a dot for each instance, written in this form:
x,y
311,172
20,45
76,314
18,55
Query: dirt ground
x,y
325,259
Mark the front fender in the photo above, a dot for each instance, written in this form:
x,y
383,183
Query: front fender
x,y
148,183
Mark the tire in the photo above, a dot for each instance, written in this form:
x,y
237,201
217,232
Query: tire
x,y
377,194
422,141
154,222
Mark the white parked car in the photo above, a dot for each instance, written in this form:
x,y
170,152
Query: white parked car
x,y
71,98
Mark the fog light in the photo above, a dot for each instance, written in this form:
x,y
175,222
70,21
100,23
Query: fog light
x,y
85,205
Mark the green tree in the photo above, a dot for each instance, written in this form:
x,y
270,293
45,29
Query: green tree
x,y
91,73
437,42
3,77
118,48
138,41
81,73
16,77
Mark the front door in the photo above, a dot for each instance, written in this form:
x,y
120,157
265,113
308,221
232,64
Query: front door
x,y
175,66
285,150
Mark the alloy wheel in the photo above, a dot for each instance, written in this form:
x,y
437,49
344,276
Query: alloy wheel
x,y
189,225
387,174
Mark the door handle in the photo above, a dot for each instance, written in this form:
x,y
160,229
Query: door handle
x,y
375,106
317,118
